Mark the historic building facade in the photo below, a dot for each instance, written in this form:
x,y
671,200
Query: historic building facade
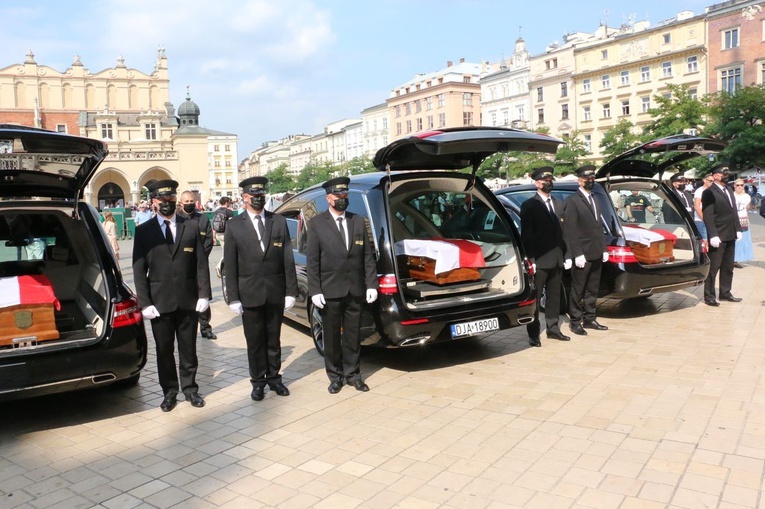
x,y
505,92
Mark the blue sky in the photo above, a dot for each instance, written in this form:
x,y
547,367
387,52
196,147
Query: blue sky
x,y
265,69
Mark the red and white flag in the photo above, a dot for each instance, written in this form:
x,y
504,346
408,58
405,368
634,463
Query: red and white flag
x,y
27,290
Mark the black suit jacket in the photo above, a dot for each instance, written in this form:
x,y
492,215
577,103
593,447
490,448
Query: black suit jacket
x,y
205,228
541,234
672,216
720,217
582,232
253,276
170,277
332,269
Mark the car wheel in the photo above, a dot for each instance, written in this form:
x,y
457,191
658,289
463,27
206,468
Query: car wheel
x,y
317,329
223,287
126,383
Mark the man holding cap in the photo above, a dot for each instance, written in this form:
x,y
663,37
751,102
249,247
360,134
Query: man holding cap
x,y
542,237
342,275
172,281
718,206
583,235
261,283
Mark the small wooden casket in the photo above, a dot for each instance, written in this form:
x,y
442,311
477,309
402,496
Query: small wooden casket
x,y
424,268
27,322
659,251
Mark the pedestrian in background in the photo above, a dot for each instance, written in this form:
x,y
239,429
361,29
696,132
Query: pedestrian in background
x,y
744,249
110,228
698,214
261,283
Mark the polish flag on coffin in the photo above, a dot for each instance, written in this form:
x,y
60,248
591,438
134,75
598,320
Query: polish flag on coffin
x,y
26,290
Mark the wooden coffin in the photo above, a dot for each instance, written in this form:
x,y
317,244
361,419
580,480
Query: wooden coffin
x,y
27,323
425,269
658,252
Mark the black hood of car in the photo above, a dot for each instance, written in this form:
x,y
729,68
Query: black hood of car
x,y
459,147
40,163
654,157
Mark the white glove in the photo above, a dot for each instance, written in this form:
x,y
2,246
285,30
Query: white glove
x,y
288,302
202,305
567,264
371,295
580,261
150,312
605,256
534,267
739,235
714,242
318,300
236,307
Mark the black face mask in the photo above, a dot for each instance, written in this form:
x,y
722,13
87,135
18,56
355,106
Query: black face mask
x,y
589,185
189,208
341,204
547,187
258,202
167,208
724,178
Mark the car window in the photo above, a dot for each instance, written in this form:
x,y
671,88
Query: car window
x,y
292,226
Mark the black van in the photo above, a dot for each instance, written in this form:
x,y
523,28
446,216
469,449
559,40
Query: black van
x,y
418,201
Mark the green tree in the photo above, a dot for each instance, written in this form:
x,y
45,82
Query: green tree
x,y
568,155
358,165
738,119
279,181
676,113
315,173
619,139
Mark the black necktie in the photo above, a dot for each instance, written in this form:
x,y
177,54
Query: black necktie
x,y
261,228
551,208
592,206
168,233
342,231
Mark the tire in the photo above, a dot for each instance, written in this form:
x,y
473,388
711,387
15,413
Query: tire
x,y
223,287
317,329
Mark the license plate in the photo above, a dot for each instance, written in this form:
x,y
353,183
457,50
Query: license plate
x,y
460,330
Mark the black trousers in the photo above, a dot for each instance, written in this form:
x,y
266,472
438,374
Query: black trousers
x,y
721,259
585,284
166,328
547,281
262,331
341,319
204,321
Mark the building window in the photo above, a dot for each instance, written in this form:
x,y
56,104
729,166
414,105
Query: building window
x,y
441,101
466,79
730,38
228,179
645,104
467,99
762,73
693,64
398,111
398,128
564,112
586,86
564,89
419,124
228,163
624,78
493,118
666,69
541,115
730,80
645,74
409,126
693,92
606,110
60,128
520,114
227,148
408,109
588,142
441,119
151,131
505,117
107,131
605,82
551,64
417,106
604,54
429,103
217,163
430,121
540,94
385,123
625,107
467,118
587,113
667,38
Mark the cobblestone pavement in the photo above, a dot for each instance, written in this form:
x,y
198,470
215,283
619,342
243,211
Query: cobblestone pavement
x,y
666,409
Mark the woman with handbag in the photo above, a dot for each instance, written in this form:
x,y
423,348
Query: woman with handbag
x,y
744,249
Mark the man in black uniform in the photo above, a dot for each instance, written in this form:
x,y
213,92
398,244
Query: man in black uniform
x,y
671,216
172,281
542,238
718,206
261,283
188,209
342,274
583,235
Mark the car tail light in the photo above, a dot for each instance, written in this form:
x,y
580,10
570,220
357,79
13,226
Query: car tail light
x,y
527,302
621,254
127,312
416,321
529,266
388,284
704,246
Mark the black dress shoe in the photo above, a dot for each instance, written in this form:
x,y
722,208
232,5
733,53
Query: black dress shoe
x,y
196,400
257,393
711,302
360,386
731,298
209,335
169,402
593,324
535,342
280,389
335,387
558,335
577,329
